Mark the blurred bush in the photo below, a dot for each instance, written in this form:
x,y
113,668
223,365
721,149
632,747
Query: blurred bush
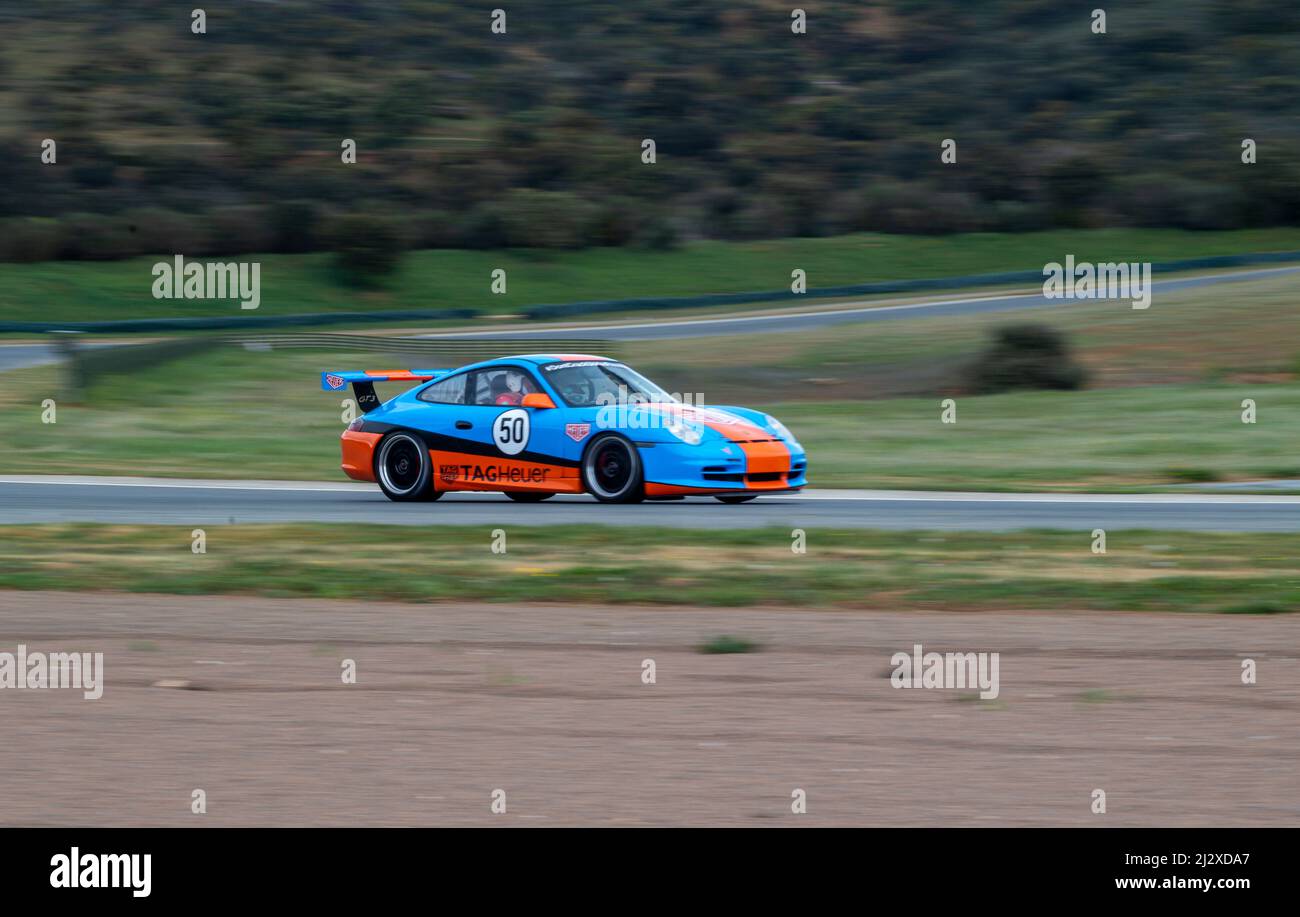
x,y
241,230
157,231
29,239
1027,355
547,219
93,237
657,232
368,247
296,226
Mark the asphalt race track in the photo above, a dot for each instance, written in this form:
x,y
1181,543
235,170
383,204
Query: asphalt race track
x,y
26,499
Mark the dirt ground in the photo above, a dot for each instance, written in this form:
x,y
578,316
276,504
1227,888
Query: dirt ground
x,y
453,702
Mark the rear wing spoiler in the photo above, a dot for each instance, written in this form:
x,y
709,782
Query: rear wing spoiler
x,y
363,382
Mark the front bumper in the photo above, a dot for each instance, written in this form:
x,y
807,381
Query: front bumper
x,y
678,469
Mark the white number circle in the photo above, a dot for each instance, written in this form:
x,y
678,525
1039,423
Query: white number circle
x,y
510,431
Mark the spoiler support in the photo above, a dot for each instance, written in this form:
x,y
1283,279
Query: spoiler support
x,y
363,383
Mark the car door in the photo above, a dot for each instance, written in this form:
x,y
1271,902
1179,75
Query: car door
x,y
568,429
507,446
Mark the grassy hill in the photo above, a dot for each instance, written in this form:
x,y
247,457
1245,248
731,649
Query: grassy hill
x,y
230,140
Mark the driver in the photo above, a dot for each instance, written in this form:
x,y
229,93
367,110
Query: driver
x,y
578,393
511,391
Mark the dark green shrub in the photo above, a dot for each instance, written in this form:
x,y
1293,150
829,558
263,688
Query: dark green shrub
x,y
1026,356
155,231
548,219
484,226
725,644
29,239
1193,475
92,237
239,230
367,247
657,232
296,226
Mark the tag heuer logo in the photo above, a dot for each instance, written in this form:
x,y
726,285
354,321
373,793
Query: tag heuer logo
x,y
577,431
448,472
335,381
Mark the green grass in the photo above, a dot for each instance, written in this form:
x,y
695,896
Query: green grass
x,y
1166,410
656,566
295,284
239,414
1225,333
724,644
1113,439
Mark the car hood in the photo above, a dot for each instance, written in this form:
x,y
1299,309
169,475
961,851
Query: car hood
x,y
728,424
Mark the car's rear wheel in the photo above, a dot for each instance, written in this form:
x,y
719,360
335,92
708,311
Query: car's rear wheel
x,y
528,496
611,470
738,498
403,468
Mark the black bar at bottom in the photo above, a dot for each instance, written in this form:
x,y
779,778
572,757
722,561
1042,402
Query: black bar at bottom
x,y
333,866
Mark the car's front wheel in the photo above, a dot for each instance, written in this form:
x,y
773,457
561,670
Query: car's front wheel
x,y
611,470
403,468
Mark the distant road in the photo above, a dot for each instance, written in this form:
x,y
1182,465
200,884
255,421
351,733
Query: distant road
x,y
19,356
26,499
846,313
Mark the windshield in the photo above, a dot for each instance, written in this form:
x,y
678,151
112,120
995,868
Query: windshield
x,y
589,383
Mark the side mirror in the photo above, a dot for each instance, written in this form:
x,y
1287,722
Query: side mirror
x,y
538,400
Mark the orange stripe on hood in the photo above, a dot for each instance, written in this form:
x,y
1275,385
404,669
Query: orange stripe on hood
x,y
767,456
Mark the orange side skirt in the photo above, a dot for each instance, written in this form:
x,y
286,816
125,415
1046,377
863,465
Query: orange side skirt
x,y
463,471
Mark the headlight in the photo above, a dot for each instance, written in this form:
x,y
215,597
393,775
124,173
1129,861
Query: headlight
x,y
779,428
689,433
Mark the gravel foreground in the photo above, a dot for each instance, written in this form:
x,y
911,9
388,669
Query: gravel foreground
x,y
243,698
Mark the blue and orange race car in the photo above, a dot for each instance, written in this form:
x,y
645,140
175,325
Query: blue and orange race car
x,y
542,424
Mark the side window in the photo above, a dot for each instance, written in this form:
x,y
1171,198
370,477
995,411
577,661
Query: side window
x,y
504,386
447,391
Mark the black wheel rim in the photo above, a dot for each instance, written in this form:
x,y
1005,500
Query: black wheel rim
x,y
403,465
612,468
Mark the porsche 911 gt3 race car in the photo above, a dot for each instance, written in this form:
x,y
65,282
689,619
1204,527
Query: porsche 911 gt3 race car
x,y
543,424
